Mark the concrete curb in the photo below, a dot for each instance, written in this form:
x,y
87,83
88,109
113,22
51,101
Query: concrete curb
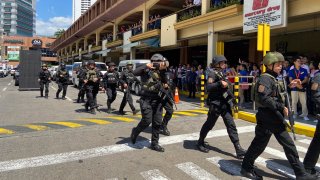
x,y
300,128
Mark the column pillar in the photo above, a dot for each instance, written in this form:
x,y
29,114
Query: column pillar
x,y
184,52
133,53
145,20
98,38
212,43
115,29
77,46
205,6
85,43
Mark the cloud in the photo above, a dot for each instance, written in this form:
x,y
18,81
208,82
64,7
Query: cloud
x,y
48,28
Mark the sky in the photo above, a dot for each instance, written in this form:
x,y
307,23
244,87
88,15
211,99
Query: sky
x,y
52,15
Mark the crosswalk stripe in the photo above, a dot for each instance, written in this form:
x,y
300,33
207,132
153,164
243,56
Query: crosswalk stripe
x,y
226,165
198,111
282,155
184,113
276,167
36,127
154,175
6,131
195,171
305,141
125,119
67,124
97,121
301,149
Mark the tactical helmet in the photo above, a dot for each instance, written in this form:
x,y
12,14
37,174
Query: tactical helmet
x,y
91,62
217,59
44,65
158,57
129,63
272,57
112,64
62,65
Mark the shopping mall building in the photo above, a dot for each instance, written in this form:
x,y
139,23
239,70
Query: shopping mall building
x,y
11,46
112,30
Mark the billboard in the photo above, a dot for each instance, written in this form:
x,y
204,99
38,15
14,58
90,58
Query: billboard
x,y
13,53
272,12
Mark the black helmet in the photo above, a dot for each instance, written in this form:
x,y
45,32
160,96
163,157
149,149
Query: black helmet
x,y
62,66
44,65
91,62
111,64
158,57
217,59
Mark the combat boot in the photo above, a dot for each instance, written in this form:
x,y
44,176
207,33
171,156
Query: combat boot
x,y
240,152
41,93
251,174
121,112
201,147
157,147
63,98
306,176
164,130
134,135
93,111
78,100
86,106
135,112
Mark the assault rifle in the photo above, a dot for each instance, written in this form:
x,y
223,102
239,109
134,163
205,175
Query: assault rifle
x,y
228,95
164,95
290,114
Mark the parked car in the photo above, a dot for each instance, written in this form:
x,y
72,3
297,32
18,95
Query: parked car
x,y
53,71
136,87
2,72
75,69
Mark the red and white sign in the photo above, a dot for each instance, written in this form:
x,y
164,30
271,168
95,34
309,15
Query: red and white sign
x,y
273,12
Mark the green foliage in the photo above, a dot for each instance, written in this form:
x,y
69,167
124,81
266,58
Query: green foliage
x,y
59,33
189,14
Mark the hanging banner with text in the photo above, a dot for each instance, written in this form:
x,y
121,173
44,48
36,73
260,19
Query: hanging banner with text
x,y
272,12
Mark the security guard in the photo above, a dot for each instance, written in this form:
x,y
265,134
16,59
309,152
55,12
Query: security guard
x,y
44,80
167,105
81,76
127,78
270,116
63,81
92,82
110,82
313,152
219,102
150,102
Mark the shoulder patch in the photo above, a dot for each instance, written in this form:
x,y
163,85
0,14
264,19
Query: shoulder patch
x,y
261,88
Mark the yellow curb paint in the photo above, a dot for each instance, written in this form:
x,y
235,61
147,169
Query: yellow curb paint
x,y
36,127
6,131
301,129
125,119
97,121
67,124
185,113
198,111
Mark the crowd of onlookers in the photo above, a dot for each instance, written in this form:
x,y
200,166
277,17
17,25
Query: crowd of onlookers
x,y
188,78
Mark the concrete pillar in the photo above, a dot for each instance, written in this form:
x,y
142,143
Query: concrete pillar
x,y
133,53
98,38
145,20
205,6
212,43
115,30
85,43
77,46
184,52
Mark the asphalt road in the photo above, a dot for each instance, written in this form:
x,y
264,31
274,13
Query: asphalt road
x,y
55,139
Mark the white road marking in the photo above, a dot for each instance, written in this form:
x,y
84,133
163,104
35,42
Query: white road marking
x,y
69,99
305,141
106,150
225,165
154,175
301,149
4,89
9,84
195,171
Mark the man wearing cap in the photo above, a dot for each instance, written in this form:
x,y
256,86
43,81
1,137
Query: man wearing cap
x,y
150,102
127,78
44,80
81,75
270,116
219,102
110,80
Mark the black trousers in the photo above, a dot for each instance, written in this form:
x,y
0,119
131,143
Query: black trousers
x,y
263,134
169,111
44,84
192,89
92,91
313,152
82,90
214,112
151,110
62,86
112,94
127,97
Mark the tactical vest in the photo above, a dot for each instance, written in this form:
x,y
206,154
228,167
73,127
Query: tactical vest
x,y
44,75
278,91
151,84
111,78
129,77
91,75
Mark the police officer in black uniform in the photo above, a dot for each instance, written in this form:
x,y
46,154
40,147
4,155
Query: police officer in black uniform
x,y
150,102
110,82
270,116
63,81
44,80
127,78
313,152
219,102
81,76
92,82
167,105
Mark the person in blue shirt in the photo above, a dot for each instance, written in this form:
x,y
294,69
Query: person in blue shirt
x,y
298,92
192,77
243,88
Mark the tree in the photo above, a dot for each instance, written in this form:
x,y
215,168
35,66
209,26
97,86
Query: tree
x,y
59,32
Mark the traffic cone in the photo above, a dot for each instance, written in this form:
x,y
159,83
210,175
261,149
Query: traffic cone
x,y
176,96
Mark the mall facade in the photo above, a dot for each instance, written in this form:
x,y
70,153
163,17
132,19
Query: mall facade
x,y
113,30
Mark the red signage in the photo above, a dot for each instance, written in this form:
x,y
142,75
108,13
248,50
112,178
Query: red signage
x,y
259,4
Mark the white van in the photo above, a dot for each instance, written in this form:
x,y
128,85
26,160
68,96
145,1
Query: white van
x,y
136,63
76,66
